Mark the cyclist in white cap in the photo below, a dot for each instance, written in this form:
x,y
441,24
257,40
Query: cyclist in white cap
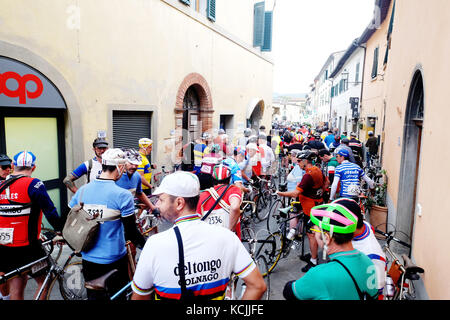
x,y
115,205
193,260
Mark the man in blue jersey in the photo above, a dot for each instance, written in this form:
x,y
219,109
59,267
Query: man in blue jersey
x,y
349,175
91,168
116,208
131,180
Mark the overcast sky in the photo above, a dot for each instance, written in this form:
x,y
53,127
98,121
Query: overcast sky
x,y
306,32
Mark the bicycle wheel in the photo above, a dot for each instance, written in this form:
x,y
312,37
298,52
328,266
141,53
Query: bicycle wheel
x,y
263,205
248,239
263,267
71,283
273,218
272,249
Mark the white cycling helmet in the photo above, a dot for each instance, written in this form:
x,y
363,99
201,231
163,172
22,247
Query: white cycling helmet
x,y
145,142
114,157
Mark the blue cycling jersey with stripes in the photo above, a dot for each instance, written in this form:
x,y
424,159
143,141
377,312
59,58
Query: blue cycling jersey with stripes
x,y
349,174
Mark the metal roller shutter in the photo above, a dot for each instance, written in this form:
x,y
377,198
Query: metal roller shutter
x,y
129,127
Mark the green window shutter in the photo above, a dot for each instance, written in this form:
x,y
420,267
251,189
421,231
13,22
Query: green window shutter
x,y
211,10
186,2
391,23
258,24
375,63
268,22
332,92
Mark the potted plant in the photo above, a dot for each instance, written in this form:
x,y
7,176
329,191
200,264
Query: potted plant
x,y
377,207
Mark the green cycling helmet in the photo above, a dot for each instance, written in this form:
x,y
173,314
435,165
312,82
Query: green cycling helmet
x,y
334,218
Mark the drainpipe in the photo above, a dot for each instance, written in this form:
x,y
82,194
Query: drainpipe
x,y
362,83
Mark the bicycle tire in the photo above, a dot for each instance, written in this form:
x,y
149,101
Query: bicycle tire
x,y
273,218
247,235
272,249
263,205
263,267
68,290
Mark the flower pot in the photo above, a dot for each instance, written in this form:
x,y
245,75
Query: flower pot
x,y
378,217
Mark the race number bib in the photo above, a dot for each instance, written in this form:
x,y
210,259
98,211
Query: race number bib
x,y
101,211
219,218
6,235
206,169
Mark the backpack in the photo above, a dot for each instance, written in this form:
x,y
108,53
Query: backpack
x,y
81,229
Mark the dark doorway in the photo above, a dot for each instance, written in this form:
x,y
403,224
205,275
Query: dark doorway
x,y
410,164
191,115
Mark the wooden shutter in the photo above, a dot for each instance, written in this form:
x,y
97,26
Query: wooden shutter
x,y
211,10
258,24
268,21
129,127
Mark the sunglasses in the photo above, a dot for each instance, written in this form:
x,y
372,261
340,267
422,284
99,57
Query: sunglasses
x,y
6,166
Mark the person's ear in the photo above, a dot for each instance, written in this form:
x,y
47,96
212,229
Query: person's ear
x,y
33,168
180,203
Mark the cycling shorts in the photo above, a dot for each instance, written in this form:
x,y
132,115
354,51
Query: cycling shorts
x,y
15,257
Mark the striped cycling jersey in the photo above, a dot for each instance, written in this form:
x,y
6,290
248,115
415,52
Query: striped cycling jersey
x,y
369,245
211,255
350,175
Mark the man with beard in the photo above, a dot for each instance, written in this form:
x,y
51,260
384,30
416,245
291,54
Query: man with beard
x,y
91,168
131,180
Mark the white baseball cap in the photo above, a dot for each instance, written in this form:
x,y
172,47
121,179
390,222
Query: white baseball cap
x,y
179,184
252,146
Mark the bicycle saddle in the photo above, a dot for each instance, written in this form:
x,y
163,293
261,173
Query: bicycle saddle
x,y
285,211
99,283
411,269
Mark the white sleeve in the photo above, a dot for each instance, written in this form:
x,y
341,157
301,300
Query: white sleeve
x,y
243,263
369,181
334,187
143,276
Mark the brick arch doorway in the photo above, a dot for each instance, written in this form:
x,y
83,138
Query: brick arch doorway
x,y
193,110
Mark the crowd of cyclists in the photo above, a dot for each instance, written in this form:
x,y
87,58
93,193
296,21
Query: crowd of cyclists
x,y
194,259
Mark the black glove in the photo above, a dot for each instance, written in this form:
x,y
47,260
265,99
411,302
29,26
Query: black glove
x,y
156,212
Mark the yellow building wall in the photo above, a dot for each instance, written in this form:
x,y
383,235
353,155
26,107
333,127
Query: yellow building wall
x,y
137,54
420,41
372,103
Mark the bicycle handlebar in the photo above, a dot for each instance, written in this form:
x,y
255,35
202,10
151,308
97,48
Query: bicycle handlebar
x,y
389,238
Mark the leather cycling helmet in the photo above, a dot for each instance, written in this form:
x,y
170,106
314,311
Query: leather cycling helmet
x,y
145,142
114,157
221,172
307,155
133,156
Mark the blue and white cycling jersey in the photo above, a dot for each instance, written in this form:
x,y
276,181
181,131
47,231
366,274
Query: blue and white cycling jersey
x,y
110,200
236,175
132,184
83,168
350,176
